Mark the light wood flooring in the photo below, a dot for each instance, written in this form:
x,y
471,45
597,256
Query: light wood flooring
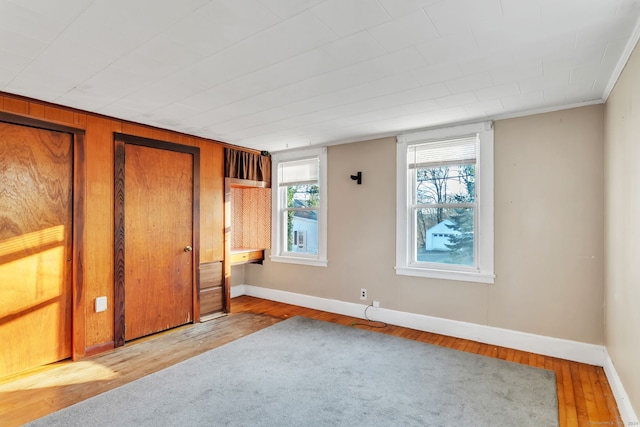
x,y
584,395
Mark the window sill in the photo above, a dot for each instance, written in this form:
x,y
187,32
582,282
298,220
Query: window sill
x,y
464,276
300,260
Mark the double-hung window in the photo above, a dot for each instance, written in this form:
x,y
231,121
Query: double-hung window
x,y
445,203
299,206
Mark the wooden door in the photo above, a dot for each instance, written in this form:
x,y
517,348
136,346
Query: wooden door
x,y
158,230
36,232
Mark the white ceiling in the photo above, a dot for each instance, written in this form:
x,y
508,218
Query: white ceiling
x,y
277,74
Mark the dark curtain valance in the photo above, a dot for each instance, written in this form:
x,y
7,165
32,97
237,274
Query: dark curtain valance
x,y
245,165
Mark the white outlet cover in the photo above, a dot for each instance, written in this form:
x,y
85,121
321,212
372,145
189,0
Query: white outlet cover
x,y
101,304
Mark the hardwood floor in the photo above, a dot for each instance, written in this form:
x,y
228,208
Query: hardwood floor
x,y
584,395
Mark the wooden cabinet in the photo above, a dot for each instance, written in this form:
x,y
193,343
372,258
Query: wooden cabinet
x,y
211,298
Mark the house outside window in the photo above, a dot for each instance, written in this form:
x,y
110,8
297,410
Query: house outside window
x,y
299,207
445,203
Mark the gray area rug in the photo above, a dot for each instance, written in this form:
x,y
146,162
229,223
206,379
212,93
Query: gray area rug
x,y
308,372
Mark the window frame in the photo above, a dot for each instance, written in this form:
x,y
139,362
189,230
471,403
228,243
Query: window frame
x,y
483,270
278,206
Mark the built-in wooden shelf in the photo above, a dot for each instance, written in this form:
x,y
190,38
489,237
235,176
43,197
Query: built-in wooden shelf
x,y
246,255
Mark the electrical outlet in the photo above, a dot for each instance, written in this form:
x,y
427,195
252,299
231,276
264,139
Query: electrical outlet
x,y
363,294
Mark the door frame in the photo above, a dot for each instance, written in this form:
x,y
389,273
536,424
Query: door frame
x,y
78,314
120,140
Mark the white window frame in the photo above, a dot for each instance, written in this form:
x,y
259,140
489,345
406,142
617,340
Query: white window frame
x,y
279,200
483,271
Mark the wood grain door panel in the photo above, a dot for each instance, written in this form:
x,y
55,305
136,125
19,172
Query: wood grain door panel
x,y
36,232
158,223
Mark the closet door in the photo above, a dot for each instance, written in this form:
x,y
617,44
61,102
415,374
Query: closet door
x,y
36,235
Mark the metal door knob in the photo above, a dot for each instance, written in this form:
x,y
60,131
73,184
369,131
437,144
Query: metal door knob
x,y
188,249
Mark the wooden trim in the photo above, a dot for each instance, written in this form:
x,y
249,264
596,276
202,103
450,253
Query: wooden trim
x,y
120,140
226,262
17,119
163,145
99,348
118,244
78,334
196,234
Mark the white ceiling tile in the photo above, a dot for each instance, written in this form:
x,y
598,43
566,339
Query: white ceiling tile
x,y
447,49
613,52
453,16
556,14
220,24
496,92
555,79
485,109
288,8
348,17
280,42
353,49
457,100
406,31
523,102
437,73
19,45
469,83
396,84
521,9
397,8
377,115
611,29
561,44
38,22
375,69
519,71
478,63
157,58
285,73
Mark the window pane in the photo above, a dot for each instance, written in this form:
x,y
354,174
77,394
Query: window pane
x,y
303,196
302,231
446,184
445,235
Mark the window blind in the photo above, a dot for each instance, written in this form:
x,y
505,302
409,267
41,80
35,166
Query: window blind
x,y
298,172
441,153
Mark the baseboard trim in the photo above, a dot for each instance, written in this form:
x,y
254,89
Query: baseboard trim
x,y
99,348
628,415
539,344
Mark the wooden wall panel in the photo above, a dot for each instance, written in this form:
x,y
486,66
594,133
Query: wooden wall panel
x,y
36,110
99,223
12,105
211,214
98,328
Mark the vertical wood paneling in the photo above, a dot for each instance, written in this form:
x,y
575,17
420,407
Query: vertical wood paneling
x,y
212,190
96,245
79,334
99,219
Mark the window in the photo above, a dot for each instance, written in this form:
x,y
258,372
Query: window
x,y
299,207
445,203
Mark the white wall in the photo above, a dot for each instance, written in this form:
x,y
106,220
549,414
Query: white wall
x,y
548,233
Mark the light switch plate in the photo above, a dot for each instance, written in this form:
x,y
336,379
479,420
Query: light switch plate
x,y
101,304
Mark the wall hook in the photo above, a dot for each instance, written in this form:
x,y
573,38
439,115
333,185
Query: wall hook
x,y
357,178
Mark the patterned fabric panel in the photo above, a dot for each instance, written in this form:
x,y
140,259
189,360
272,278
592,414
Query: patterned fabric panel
x,y
251,218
